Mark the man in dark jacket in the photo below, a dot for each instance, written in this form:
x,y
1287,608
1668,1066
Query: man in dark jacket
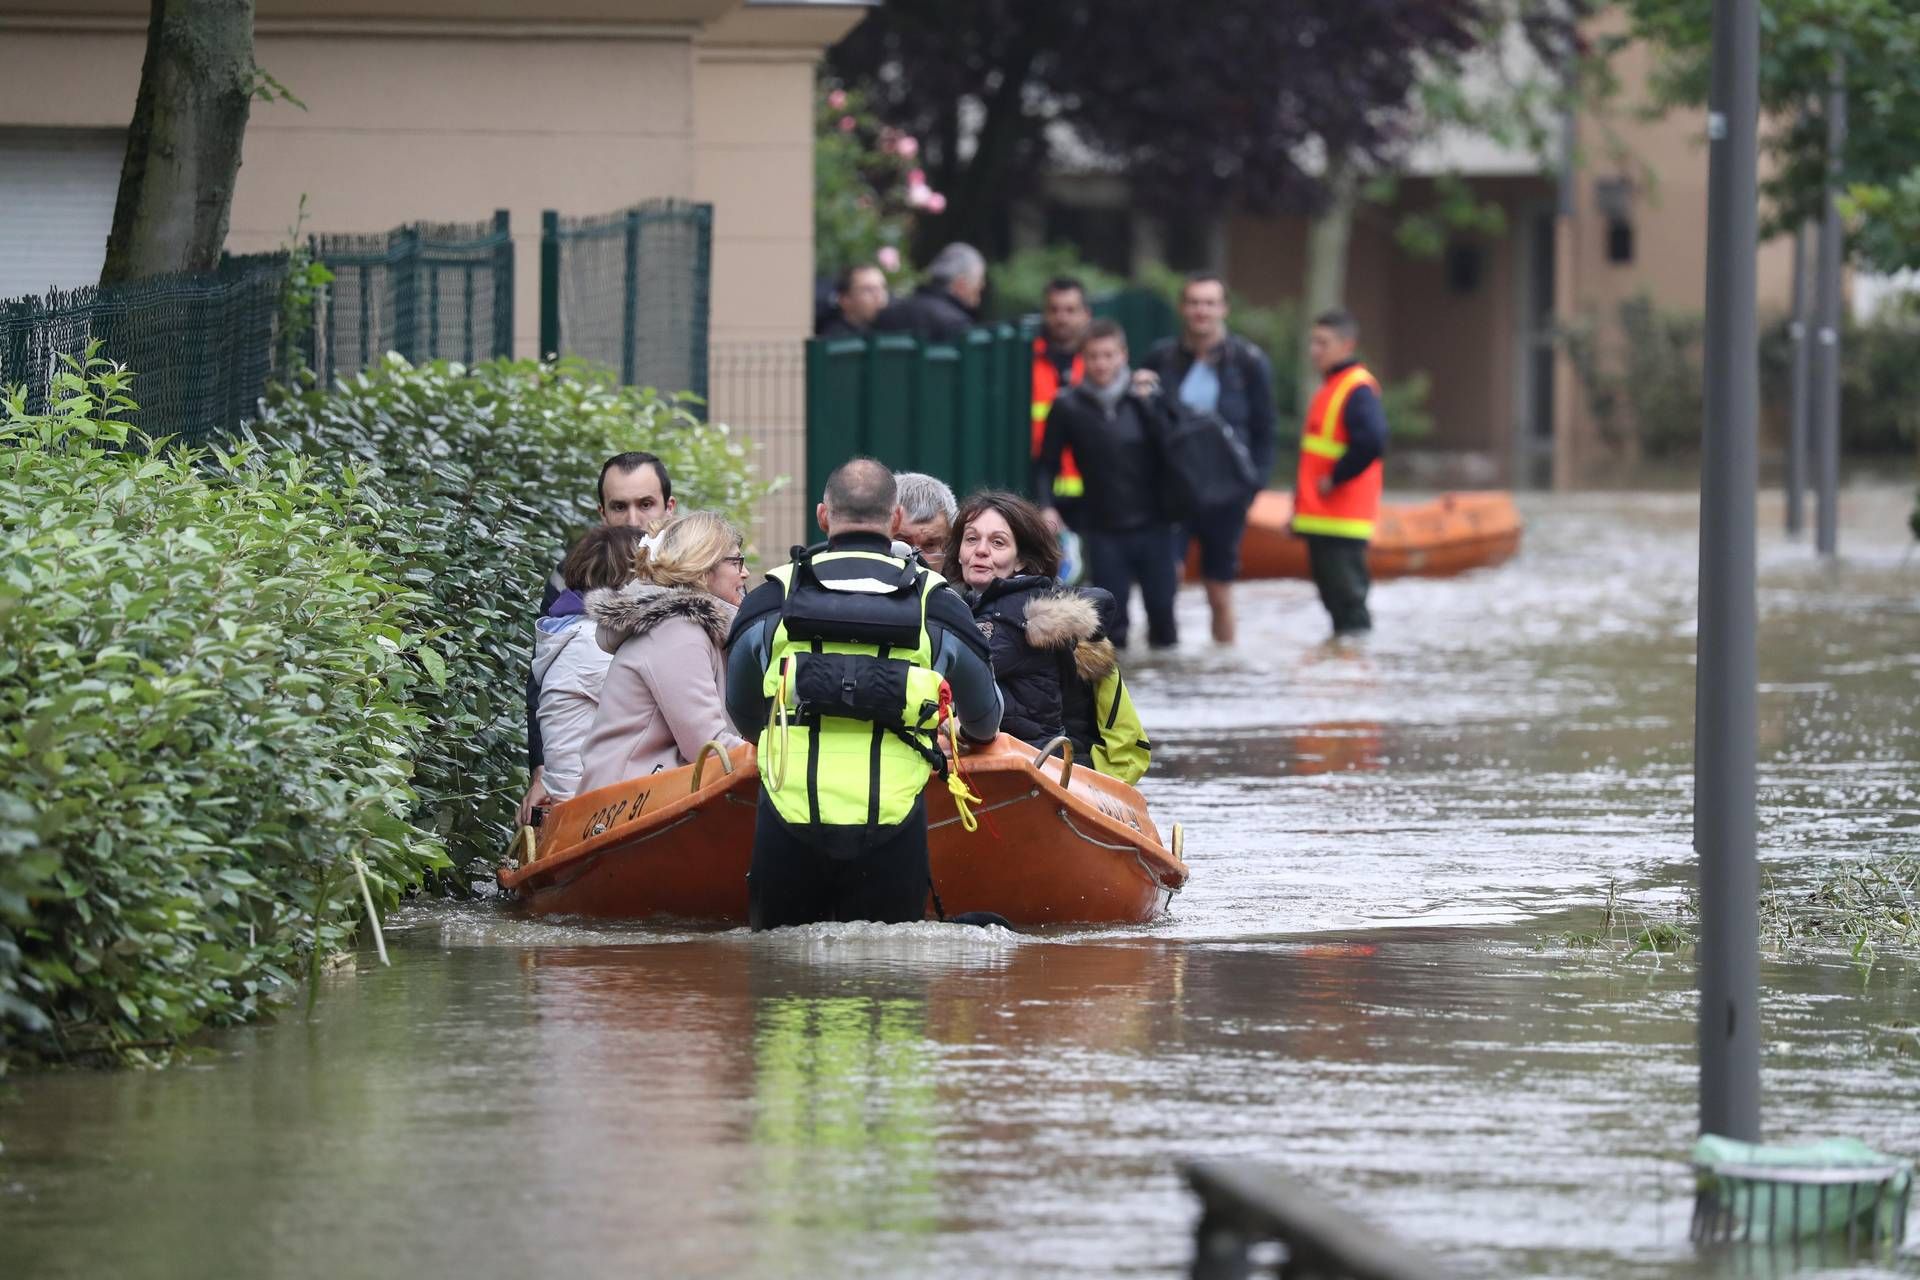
x,y
1212,371
947,305
1109,429
859,296
635,490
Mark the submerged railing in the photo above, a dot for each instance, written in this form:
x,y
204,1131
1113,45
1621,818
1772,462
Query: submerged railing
x,y
1248,1206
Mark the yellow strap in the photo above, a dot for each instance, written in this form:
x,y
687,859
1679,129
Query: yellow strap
x,y
1333,526
963,798
1322,447
775,769
1069,486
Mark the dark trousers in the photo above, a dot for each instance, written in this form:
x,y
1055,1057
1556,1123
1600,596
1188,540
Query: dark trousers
x,y
1115,561
792,881
1340,572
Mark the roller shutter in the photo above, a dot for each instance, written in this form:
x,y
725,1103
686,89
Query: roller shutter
x,y
57,188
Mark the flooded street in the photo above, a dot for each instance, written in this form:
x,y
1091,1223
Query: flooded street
x,y
1367,981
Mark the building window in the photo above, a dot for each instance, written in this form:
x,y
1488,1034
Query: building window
x,y
1464,265
1619,239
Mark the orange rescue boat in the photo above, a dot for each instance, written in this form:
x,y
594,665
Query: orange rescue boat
x,y
1451,534
1053,844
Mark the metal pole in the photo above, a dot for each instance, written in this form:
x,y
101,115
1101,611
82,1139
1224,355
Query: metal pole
x,y
1726,669
1827,356
549,283
1798,330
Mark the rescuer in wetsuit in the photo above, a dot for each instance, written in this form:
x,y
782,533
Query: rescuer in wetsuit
x,y
838,664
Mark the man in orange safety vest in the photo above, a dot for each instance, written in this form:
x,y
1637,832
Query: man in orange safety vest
x,y
1056,366
1336,499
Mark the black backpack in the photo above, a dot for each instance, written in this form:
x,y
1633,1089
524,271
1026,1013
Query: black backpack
x,y
1205,462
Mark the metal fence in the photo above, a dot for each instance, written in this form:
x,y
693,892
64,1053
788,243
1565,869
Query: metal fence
x,y
759,389
630,290
960,411
202,347
429,291
1143,313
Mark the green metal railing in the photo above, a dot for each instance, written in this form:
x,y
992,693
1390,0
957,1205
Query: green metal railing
x,y
202,347
960,411
429,291
630,290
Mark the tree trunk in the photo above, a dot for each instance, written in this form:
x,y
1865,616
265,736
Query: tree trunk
x,y
183,148
1326,282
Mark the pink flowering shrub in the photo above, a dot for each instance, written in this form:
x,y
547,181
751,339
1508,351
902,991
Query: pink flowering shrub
x,y
867,187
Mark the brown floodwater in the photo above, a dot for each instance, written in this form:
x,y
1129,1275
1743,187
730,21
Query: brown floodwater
x,y
1367,982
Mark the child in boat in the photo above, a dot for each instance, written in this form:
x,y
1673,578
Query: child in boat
x,y
568,667
665,692
1057,671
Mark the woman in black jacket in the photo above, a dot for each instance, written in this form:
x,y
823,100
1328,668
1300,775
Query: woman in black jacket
x,y
1048,642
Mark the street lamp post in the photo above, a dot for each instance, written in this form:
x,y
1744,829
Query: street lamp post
x,y
1726,669
1826,531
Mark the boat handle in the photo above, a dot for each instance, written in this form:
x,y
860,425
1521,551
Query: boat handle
x,y
700,762
525,838
1065,746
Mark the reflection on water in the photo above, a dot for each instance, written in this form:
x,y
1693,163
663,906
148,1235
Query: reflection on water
x,y
1354,985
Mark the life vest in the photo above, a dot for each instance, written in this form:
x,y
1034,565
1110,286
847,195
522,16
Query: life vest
x,y
1046,389
1352,508
855,698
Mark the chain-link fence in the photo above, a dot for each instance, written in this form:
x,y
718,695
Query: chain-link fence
x,y
429,291
760,392
629,290
202,347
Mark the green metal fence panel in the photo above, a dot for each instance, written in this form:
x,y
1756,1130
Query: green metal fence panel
x,y
631,290
1145,315
959,411
430,291
202,347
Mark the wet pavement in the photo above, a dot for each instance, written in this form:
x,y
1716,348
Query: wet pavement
x,y
1367,981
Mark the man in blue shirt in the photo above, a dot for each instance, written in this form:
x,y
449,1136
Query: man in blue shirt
x,y
1213,371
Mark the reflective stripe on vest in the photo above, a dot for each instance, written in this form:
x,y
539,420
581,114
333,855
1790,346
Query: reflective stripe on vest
x,y
1046,389
839,770
1352,508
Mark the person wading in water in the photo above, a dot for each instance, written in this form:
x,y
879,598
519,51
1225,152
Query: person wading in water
x,y
841,663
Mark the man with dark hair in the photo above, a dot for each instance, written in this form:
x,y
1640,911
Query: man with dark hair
x,y
948,304
1056,366
1216,372
634,490
859,296
1336,497
836,663
1128,538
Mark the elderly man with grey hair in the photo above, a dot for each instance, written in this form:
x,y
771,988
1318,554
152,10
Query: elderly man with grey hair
x,y
927,509
948,304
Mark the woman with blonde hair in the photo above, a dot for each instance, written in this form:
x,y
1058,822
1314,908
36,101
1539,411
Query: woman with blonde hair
x,y
664,696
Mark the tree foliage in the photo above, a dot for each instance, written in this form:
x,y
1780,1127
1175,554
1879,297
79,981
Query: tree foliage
x,y
1199,104
1879,43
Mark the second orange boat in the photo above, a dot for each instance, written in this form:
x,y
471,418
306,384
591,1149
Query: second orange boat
x,y
1451,534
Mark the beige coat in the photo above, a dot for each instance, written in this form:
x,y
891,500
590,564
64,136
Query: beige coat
x,y
665,692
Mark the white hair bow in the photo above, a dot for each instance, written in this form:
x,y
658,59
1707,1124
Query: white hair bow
x,y
650,543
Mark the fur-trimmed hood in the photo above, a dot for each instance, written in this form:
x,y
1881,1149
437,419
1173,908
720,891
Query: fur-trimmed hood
x,y
1069,619
637,608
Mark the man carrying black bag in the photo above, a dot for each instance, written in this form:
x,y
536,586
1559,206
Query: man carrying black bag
x,y
1212,372
1124,519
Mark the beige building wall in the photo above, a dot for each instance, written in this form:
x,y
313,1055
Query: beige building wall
x,y
446,110
1664,164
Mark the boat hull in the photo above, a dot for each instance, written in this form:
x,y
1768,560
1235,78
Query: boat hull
x,y
1453,533
1053,844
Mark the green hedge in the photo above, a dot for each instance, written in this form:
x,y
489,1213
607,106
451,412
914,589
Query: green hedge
x,y
224,676
481,478
205,684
